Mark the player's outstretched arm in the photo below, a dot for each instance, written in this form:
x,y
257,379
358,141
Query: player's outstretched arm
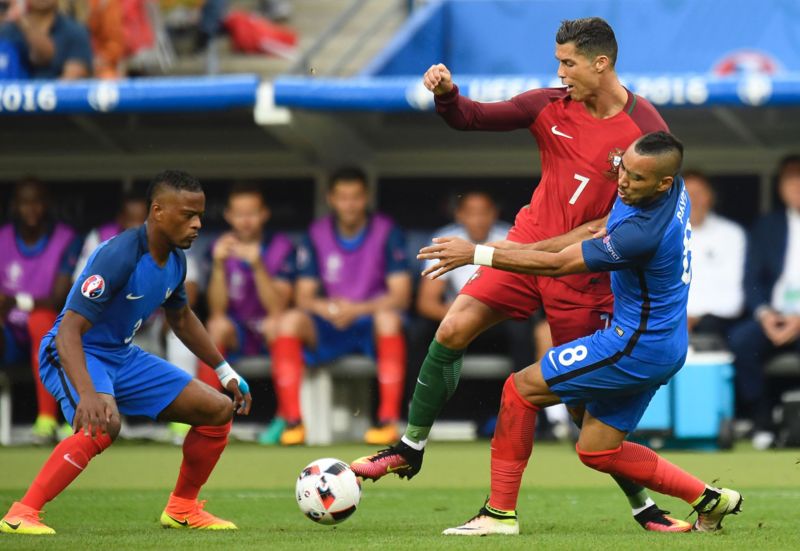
x,y
454,252
463,113
193,334
92,413
589,230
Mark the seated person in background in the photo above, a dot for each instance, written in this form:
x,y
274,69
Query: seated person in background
x,y
38,256
103,18
250,284
476,220
716,297
353,289
132,214
772,292
51,44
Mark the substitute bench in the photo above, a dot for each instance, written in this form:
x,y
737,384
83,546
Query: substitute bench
x,y
336,398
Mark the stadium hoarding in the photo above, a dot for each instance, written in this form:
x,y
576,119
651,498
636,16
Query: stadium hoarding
x,y
139,95
390,94
408,93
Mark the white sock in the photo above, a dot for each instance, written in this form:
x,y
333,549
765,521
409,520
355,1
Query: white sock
x,y
419,446
648,503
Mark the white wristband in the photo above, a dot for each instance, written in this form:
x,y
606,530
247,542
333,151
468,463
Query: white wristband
x,y
24,301
226,373
483,255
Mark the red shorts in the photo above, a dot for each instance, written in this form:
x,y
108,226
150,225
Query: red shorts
x,y
575,306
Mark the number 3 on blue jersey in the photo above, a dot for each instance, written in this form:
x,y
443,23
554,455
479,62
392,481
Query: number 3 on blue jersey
x,y
135,329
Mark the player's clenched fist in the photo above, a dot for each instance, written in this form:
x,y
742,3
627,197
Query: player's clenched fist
x,y
438,79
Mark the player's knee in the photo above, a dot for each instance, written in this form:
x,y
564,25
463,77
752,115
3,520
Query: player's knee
x,y
269,329
451,334
388,322
602,461
114,426
290,323
220,411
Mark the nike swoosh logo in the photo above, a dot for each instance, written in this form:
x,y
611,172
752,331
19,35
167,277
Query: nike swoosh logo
x,y
552,361
71,461
13,526
391,469
131,296
182,523
559,133
420,382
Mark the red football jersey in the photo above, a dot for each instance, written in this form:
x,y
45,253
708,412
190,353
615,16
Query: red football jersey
x,y
580,154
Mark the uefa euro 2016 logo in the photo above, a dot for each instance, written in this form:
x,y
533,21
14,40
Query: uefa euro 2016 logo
x,y
93,286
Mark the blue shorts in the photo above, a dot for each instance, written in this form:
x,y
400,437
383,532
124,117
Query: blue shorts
x,y
14,351
249,339
333,343
613,387
141,383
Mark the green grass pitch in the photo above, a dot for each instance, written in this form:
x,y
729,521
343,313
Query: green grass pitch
x,y
563,505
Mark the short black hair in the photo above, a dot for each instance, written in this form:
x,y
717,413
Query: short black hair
x,y
247,188
786,162
697,174
133,195
461,197
592,36
34,182
347,174
661,143
173,179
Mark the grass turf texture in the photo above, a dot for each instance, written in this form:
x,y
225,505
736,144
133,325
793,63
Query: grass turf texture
x,y
115,504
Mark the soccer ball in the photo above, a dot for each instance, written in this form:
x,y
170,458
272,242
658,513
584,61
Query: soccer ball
x,y
327,491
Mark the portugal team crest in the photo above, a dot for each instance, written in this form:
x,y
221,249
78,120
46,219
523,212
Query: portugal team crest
x,y
614,160
93,286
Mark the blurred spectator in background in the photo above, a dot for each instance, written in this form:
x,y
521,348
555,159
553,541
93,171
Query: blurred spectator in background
x,y
36,264
250,285
716,296
103,18
353,289
276,10
772,292
475,220
50,44
132,214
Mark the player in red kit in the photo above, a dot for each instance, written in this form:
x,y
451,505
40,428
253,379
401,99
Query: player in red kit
x,y
582,131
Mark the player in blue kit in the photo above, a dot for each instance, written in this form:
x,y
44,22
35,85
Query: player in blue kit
x,y
610,375
89,364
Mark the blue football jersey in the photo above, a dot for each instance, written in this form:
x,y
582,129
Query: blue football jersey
x,y
120,287
647,249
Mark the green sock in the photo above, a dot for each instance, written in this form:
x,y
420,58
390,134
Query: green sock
x,y
636,494
436,383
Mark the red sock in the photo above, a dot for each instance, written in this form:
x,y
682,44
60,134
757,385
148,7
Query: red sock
x,y
391,376
287,376
202,448
40,321
644,466
512,445
207,375
63,466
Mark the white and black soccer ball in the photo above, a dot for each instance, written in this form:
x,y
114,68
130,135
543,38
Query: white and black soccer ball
x,y
327,491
